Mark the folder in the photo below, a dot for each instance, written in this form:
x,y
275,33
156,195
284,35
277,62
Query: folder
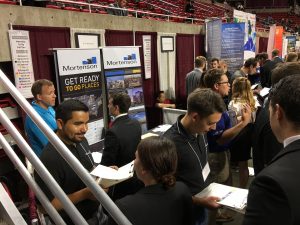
x,y
230,197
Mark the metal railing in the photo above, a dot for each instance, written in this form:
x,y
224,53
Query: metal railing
x,y
69,207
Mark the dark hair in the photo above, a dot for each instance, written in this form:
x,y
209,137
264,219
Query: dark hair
x,y
37,86
200,61
264,56
66,108
122,100
214,59
284,69
212,77
250,62
275,52
159,94
286,94
159,156
205,102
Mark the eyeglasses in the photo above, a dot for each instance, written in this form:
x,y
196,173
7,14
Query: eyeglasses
x,y
224,82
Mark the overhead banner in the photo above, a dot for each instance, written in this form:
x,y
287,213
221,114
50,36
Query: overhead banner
x,y
250,32
233,45
22,61
122,69
79,77
213,39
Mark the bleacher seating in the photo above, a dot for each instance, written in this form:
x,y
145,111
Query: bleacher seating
x,y
277,17
161,10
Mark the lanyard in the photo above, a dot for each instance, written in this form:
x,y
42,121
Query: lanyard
x,y
191,147
88,154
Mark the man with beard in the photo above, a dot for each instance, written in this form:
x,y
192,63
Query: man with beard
x,y
72,117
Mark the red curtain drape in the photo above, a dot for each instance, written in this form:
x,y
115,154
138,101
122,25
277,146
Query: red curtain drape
x,y
263,44
41,40
185,62
118,38
199,45
150,86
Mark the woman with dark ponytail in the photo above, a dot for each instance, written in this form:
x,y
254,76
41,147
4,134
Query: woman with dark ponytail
x,y
162,201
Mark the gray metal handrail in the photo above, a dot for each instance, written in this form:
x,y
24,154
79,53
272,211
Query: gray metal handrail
x,y
98,192
28,178
40,168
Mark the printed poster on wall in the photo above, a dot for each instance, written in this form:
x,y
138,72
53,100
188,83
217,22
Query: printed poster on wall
x,y
22,61
233,45
147,55
250,32
79,77
122,69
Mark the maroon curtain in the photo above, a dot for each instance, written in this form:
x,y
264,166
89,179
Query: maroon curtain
x,y
118,38
199,45
150,86
263,44
41,40
184,64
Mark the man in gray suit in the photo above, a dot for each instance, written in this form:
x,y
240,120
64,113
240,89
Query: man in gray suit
x,y
274,194
193,78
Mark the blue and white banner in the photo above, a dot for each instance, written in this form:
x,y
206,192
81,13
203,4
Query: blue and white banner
x,y
250,33
232,45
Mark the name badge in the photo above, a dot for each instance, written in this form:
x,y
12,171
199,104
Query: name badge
x,y
205,171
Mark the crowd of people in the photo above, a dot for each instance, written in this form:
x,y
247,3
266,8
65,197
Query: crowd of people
x,y
225,120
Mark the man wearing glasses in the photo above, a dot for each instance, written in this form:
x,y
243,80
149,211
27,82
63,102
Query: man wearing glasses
x,y
218,139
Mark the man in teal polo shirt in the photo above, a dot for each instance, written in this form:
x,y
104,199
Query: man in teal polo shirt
x,y
43,92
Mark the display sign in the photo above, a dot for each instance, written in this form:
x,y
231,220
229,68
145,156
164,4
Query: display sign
x,y
122,69
22,61
250,32
79,77
232,50
122,57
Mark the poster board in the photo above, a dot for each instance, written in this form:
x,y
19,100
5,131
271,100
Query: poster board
x,y
22,61
79,77
123,73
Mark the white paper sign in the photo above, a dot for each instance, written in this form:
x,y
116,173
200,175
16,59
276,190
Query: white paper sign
x,y
22,61
147,55
88,41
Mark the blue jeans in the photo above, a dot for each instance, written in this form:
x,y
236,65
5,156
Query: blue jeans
x,y
203,218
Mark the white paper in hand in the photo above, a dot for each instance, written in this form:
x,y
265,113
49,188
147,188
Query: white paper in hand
x,y
111,176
